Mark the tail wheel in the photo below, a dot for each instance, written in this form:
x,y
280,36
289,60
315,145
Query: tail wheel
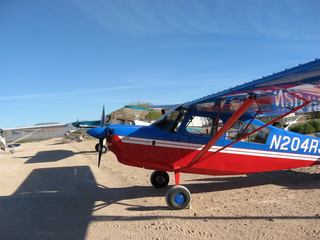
x,y
159,179
178,197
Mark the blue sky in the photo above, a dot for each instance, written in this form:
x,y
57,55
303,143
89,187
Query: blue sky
x,y
62,60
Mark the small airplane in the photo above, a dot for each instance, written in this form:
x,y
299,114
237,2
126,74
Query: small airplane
x,y
74,135
3,143
221,134
36,132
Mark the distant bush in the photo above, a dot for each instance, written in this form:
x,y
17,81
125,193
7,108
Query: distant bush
x,y
316,124
314,115
153,115
305,128
308,128
296,128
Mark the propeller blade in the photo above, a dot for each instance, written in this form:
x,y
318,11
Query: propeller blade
x,y
100,150
103,118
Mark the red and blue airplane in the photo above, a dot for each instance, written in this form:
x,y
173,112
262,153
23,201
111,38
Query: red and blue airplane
x,y
221,135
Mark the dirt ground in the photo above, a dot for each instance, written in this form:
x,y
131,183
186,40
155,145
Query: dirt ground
x,y
54,190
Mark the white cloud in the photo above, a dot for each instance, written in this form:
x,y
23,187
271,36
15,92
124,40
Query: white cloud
x,y
274,19
69,93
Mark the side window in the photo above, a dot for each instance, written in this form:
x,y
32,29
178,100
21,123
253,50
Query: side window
x,y
241,129
200,126
234,132
260,136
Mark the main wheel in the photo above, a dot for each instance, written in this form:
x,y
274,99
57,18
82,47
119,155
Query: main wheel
x,y
178,197
97,148
159,179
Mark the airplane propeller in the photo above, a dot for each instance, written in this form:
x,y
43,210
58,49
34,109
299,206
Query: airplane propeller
x,y
100,150
103,118
102,134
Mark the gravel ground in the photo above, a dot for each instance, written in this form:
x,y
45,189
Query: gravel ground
x,y
54,190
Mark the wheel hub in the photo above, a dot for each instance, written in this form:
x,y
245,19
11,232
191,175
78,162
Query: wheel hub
x,y
179,198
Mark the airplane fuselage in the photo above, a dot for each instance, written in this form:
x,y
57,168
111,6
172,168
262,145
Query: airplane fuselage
x,y
153,148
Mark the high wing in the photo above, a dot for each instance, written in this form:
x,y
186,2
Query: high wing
x,y
275,94
289,91
37,132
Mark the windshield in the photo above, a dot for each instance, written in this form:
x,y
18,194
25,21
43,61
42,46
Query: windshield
x,y
171,120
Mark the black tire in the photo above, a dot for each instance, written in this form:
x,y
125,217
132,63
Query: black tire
x,y
104,148
159,179
178,197
97,147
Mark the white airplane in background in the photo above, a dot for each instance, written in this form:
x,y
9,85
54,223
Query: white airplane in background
x,y
37,132
3,142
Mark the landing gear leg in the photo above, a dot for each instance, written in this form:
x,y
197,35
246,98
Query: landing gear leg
x,y
178,197
177,177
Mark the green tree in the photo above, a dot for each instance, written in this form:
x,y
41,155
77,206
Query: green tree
x,y
304,128
316,124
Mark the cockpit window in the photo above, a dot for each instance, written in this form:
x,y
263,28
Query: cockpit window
x,y
172,120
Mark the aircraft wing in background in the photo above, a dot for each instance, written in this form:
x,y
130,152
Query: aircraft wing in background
x,y
36,132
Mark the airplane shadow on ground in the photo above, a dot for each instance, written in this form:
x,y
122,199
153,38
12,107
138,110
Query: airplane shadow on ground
x,y
52,156
58,203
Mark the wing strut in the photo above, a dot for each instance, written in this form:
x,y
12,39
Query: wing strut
x,y
267,124
26,136
235,116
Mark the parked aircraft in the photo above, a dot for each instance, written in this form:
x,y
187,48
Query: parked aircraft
x,y
3,143
37,132
220,135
